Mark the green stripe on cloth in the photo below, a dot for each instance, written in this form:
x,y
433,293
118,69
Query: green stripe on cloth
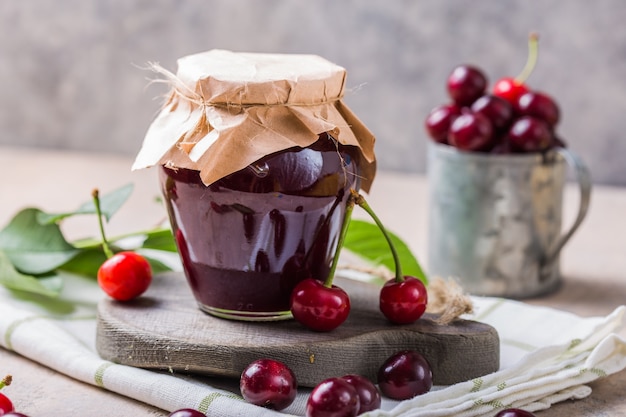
x,y
99,375
15,325
206,401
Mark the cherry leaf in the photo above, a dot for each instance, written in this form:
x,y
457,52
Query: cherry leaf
x,y
110,203
32,247
365,240
15,280
160,239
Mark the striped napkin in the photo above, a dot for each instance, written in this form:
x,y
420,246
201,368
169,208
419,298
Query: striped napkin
x,y
547,356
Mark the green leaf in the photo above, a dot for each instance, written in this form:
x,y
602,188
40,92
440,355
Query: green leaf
x,y
86,262
365,240
160,239
156,265
109,204
49,286
34,248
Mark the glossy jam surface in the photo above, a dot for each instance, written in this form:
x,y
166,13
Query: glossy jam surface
x,y
248,239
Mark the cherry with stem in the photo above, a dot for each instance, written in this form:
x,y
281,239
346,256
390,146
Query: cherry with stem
x,y
322,306
124,275
403,299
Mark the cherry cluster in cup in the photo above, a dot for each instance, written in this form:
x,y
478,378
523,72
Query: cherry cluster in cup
x,y
511,118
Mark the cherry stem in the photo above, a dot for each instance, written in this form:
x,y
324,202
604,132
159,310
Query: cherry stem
x,y
328,283
531,59
360,200
96,202
6,381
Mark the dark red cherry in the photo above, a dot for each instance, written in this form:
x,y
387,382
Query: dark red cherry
x,y
539,105
529,134
319,307
369,396
471,132
268,383
333,397
465,84
496,109
439,120
514,412
403,302
405,375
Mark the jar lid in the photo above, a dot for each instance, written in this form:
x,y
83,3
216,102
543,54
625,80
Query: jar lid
x,y
226,110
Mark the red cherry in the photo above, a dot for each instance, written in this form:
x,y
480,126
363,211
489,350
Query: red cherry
x,y
403,302
369,396
333,397
439,120
319,307
465,84
405,375
268,383
125,275
509,89
529,134
186,412
6,406
539,105
496,109
471,132
514,412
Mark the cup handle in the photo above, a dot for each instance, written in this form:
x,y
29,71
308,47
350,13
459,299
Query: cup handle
x,y
583,177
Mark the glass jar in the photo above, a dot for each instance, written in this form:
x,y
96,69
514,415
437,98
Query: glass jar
x,y
247,239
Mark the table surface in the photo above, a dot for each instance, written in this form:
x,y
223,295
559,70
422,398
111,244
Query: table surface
x,y
593,263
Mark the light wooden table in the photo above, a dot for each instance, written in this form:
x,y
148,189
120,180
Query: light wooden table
x,y
593,263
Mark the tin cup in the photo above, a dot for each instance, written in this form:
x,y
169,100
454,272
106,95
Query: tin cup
x,y
495,221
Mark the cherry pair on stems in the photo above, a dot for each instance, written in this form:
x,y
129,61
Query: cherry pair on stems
x,y
322,306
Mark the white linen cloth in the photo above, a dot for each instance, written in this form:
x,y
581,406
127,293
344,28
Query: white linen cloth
x,y
547,356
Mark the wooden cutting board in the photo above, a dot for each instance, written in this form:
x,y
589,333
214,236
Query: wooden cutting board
x,y
165,330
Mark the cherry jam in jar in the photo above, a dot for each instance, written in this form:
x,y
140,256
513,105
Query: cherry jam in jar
x,y
247,239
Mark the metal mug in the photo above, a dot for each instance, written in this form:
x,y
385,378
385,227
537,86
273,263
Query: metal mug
x,y
495,220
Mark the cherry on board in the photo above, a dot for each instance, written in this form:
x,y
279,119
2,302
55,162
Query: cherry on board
x,y
403,302
319,307
125,275
6,406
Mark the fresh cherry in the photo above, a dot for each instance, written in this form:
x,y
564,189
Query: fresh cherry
x,y
6,405
509,89
333,397
405,375
529,134
514,412
465,84
539,105
125,275
268,383
439,120
369,396
496,109
403,299
403,302
319,307
470,132
186,412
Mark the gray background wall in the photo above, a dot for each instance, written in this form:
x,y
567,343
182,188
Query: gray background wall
x,y
70,72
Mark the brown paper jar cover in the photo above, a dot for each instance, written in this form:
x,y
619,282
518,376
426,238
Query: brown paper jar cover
x,y
228,109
